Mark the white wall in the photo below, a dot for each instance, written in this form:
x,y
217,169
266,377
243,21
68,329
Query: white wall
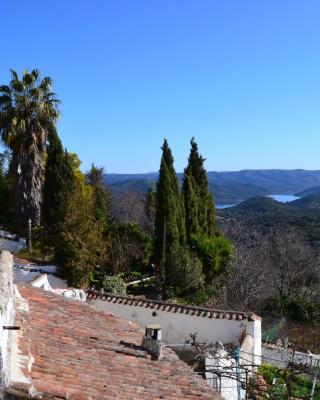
x,y
177,327
7,303
226,386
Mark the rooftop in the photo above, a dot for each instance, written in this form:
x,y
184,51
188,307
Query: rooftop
x,y
173,308
69,350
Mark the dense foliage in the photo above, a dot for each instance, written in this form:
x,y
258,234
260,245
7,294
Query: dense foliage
x,y
169,219
284,384
198,201
79,245
28,109
59,181
95,180
94,239
184,271
114,284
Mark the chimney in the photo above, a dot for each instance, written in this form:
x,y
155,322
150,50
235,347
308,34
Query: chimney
x,y
151,341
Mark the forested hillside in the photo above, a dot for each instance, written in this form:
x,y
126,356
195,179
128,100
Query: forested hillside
x,y
232,187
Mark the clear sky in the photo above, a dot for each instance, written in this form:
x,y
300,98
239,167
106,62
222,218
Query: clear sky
x,y
241,76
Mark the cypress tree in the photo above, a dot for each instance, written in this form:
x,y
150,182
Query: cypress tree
x,y
198,201
58,184
151,206
169,220
191,204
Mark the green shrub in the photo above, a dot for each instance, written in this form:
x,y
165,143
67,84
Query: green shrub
x,y
215,254
115,284
301,385
183,271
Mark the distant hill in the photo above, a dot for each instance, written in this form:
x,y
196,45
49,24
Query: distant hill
x,y
232,187
140,185
263,213
308,202
308,192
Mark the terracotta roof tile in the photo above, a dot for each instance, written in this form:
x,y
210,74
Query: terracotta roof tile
x,y
80,353
171,307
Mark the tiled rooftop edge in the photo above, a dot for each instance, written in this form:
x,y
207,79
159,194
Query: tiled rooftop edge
x,y
172,307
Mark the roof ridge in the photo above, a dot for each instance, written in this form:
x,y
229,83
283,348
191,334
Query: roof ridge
x,y
94,294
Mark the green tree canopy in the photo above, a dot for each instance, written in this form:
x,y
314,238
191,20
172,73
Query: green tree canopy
x,y
94,178
151,206
28,109
58,183
80,245
169,220
198,201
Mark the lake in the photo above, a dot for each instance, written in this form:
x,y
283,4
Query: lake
x,y
281,198
284,198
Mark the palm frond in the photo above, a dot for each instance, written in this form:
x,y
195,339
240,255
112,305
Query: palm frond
x,y
5,99
17,85
4,89
28,79
35,73
14,74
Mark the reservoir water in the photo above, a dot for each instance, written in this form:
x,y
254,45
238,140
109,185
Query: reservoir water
x,y
282,198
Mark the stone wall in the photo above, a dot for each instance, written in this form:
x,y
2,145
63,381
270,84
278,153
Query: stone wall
x,y
7,305
280,356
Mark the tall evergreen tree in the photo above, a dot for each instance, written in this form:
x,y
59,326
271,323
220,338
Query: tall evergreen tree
x,y
198,201
169,220
94,178
58,184
151,206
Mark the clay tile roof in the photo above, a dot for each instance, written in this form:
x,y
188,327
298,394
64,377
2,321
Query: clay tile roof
x,y
70,350
171,307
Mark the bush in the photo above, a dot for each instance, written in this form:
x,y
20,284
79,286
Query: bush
x,y
301,386
115,284
215,254
300,308
183,270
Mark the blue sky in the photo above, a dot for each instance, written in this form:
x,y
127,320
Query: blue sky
x,y
243,77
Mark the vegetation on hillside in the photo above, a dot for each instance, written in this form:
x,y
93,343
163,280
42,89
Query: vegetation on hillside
x,y
260,255
95,238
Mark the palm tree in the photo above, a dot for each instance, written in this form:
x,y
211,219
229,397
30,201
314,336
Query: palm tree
x,y
28,109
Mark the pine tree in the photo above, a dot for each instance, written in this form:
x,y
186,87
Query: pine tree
x,y
58,184
169,220
94,178
198,201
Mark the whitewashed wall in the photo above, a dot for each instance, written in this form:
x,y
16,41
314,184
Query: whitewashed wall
x,y
177,327
7,303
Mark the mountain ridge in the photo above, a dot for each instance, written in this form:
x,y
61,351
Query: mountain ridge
x,y
230,187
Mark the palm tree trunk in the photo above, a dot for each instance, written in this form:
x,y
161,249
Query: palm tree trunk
x,y
27,172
